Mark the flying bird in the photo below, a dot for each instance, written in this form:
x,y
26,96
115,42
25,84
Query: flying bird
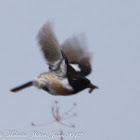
x,y
69,64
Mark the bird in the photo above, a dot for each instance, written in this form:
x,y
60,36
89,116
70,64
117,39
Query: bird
x,y
68,63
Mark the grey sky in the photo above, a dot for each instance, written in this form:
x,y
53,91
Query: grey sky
x,y
112,29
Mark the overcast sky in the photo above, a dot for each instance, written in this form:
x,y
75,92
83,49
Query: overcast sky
x,y
112,29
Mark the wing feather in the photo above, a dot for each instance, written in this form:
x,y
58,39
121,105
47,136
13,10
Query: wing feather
x,y
49,44
76,51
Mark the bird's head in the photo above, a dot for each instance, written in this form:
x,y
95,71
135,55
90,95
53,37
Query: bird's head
x,y
80,83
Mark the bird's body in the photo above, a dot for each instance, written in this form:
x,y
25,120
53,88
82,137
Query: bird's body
x,y
53,84
69,64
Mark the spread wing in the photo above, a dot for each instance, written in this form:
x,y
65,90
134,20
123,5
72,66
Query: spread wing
x,y
50,47
79,58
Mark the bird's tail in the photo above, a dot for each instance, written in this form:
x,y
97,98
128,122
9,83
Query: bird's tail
x,y
28,84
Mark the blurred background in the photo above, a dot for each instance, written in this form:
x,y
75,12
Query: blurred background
x,y
112,29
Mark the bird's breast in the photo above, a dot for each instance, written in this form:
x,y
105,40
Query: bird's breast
x,y
56,85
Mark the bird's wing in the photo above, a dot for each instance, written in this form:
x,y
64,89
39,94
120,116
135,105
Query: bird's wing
x,y
79,58
50,47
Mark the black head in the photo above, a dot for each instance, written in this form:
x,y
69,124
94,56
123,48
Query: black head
x,y
80,83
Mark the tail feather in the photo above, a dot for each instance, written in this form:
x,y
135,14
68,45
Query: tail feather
x,y
22,86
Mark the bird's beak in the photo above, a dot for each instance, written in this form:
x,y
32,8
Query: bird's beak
x,y
92,87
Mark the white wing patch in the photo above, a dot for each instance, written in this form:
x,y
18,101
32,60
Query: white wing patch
x,y
76,67
61,69
54,65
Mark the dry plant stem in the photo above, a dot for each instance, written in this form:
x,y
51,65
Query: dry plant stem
x,y
61,132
